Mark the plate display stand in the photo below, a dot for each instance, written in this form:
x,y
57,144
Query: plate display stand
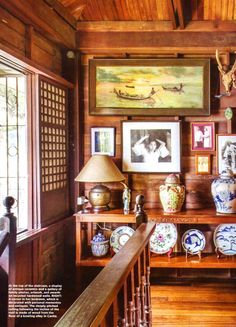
x,y
188,254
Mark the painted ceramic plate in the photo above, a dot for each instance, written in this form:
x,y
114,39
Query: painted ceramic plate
x,y
193,241
225,238
120,236
163,238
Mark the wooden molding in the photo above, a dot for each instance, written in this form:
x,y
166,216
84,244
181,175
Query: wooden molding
x,y
157,26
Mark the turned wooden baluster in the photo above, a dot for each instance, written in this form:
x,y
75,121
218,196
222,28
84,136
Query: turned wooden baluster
x,y
137,307
148,298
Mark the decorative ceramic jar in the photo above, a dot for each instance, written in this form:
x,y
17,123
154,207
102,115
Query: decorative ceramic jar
x,y
172,194
223,190
99,245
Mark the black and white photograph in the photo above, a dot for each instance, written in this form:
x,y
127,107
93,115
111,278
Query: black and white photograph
x,y
226,152
150,146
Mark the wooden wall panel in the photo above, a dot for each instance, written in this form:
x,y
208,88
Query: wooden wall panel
x,y
46,53
12,31
198,187
24,264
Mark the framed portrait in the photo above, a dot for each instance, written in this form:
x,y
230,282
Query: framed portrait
x,y
203,164
226,152
103,140
203,136
149,87
151,147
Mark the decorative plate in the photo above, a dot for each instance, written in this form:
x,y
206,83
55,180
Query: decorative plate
x,y
163,238
225,238
193,241
120,236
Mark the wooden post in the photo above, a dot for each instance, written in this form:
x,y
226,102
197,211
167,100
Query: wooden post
x,y
7,261
141,216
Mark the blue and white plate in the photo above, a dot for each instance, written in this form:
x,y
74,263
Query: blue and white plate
x,y
163,238
193,241
120,236
225,238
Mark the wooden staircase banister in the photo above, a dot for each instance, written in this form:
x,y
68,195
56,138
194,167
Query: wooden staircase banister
x,y
93,304
4,240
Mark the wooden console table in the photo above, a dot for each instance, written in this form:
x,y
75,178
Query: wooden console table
x,y
177,260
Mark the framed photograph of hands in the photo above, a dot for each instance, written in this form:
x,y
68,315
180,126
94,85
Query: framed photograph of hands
x,y
151,147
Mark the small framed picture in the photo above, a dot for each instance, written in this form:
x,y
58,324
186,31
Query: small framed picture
x,y
203,164
203,136
226,152
103,140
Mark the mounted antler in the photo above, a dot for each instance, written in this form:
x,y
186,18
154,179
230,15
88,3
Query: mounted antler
x,y
228,77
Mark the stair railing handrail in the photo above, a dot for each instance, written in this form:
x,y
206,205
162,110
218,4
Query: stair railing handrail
x,y
93,304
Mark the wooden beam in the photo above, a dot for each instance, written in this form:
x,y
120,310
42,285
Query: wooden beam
x,y
172,14
43,19
63,12
158,40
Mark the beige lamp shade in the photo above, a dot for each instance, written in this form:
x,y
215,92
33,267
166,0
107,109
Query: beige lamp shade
x,y
100,169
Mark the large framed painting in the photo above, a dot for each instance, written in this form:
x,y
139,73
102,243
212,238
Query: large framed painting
x,y
226,152
149,87
150,146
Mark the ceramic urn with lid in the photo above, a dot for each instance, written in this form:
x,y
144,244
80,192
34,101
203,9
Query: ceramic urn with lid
x,y
223,191
172,194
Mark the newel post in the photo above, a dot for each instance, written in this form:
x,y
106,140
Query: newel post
x,y
140,214
7,260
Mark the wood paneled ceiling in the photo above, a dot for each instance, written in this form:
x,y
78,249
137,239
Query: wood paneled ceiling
x,y
180,12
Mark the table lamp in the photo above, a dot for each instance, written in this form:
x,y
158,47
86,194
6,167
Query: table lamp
x,y
100,169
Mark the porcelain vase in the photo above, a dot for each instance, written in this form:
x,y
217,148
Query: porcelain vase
x,y
223,191
172,194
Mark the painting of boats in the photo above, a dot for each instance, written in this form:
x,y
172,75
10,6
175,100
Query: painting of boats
x,y
142,87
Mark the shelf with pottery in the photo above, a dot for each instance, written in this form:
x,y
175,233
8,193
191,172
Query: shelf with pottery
x,y
164,239
176,260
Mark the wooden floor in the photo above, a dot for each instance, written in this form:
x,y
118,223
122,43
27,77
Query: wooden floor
x,y
190,304
195,305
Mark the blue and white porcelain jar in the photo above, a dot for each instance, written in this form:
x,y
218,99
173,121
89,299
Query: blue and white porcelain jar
x,y
99,245
223,190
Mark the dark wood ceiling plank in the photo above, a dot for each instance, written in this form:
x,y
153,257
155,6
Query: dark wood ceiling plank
x,y
118,9
153,9
206,9
224,9
231,5
180,12
200,9
160,5
218,10
63,12
171,12
93,11
43,19
234,14
125,10
142,10
130,10
148,9
193,5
